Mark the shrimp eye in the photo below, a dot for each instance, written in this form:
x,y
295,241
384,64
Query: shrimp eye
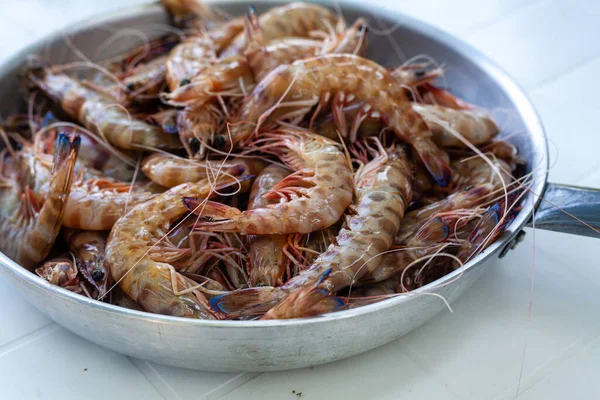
x,y
469,188
194,145
420,74
97,275
218,141
131,87
185,81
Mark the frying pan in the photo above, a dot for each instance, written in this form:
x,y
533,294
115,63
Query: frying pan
x,y
279,345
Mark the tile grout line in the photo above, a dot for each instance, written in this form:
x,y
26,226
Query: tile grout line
x,y
229,386
543,371
28,338
165,390
414,357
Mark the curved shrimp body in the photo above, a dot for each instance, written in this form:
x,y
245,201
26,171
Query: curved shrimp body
x,y
89,250
100,114
267,262
156,286
31,223
170,171
312,198
304,82
96,204
93,154
475,126
383,191
295,19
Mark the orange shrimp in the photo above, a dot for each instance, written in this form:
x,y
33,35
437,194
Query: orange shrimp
x,y
475,126
169,171
383,192
312,198
30,221
156,286
197,127
301,85
291,20
267,261
98,113
97,203
195,53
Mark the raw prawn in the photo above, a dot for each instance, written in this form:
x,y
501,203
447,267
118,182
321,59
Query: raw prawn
x,y
31,222
301,85
100,114
156,286
267,261
312,198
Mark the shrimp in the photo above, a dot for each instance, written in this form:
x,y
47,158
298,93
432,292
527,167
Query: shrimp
x,y
61,272
93,154
99,113
476,126
237,75
383,192
194,14
195,53
475,182
146,81
428,240
415,75
197,127
312,198
170,171
300,85
156,286
97,203
296,19
88,248
434,95
31,222
267,261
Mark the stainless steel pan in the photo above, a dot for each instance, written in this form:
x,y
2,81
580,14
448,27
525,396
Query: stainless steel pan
x,y
278,345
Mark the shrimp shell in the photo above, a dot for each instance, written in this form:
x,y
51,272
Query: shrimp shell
x,y
296,19
267,261
383,191
476,126
100,114
312,198
30,224
306,81
170,171
96,204
151,284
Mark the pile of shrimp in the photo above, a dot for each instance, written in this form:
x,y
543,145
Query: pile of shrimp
x,y
258,167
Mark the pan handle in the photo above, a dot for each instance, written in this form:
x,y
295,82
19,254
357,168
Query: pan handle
x,y
581,202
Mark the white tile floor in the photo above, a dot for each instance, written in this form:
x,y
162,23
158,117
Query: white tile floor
x,y
551,47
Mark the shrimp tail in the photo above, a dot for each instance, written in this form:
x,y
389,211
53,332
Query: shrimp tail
x,y
434,160
213,215
434,231
245,302
306,302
